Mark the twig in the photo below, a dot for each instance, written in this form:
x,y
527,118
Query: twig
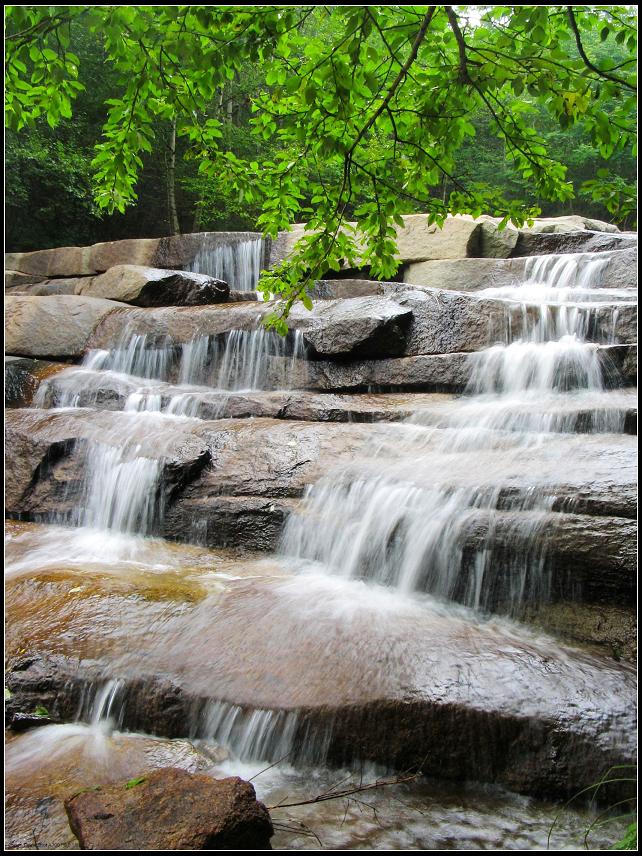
x,y
335,795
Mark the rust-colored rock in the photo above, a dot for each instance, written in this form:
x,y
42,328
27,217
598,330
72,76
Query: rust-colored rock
x,y
171,810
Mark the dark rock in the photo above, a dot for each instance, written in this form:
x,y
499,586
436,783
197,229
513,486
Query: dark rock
x,y
22,377
171,810
248,522
355,327
612,629
46,472
24,721
148,287
582,241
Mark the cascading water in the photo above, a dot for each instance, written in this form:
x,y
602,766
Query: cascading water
x,y
434,515
142,374
238,263
446,504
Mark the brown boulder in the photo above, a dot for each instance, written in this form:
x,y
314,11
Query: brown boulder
x,y
171,810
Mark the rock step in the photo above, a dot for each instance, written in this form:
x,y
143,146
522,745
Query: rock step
x,y
470,275
417,241
376,692
594,412
405,320
241,478
427,372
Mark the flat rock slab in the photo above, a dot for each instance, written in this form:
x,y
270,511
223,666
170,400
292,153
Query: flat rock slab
x,y
532,243
449,372
619,272
171,810
396,680
111,391
53,327
176,251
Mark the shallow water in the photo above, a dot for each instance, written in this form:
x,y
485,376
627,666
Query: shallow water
x,y
49,764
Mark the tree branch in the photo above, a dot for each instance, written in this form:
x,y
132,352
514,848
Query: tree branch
x,y
587,61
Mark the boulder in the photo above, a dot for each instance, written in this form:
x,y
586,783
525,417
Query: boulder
x,y
53,327
45,767
143,286
497,243
171,809
355,327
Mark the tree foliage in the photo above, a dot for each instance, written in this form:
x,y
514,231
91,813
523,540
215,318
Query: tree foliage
x,y
355,114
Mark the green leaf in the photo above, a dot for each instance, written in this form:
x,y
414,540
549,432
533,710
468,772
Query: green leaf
x,y
132,783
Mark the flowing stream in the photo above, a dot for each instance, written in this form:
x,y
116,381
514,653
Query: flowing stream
x,y
429,527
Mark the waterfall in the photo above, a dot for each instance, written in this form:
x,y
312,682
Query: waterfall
x,y
238,263
435,511
141,374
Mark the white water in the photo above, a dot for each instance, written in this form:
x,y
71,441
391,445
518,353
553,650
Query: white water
x,y
409,522
238,263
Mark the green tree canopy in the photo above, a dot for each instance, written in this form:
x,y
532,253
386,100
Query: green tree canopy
x,y
361,111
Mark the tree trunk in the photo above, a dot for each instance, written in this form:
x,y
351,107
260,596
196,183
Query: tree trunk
x,y
174,226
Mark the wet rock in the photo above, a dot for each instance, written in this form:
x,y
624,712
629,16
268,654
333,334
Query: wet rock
x,y
246,522
34,681
589,559
52,327
428,372
171,810
46,766
409,685
46,472
22,377
356,327
613,629
145,286
477,274
533,243
361,326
